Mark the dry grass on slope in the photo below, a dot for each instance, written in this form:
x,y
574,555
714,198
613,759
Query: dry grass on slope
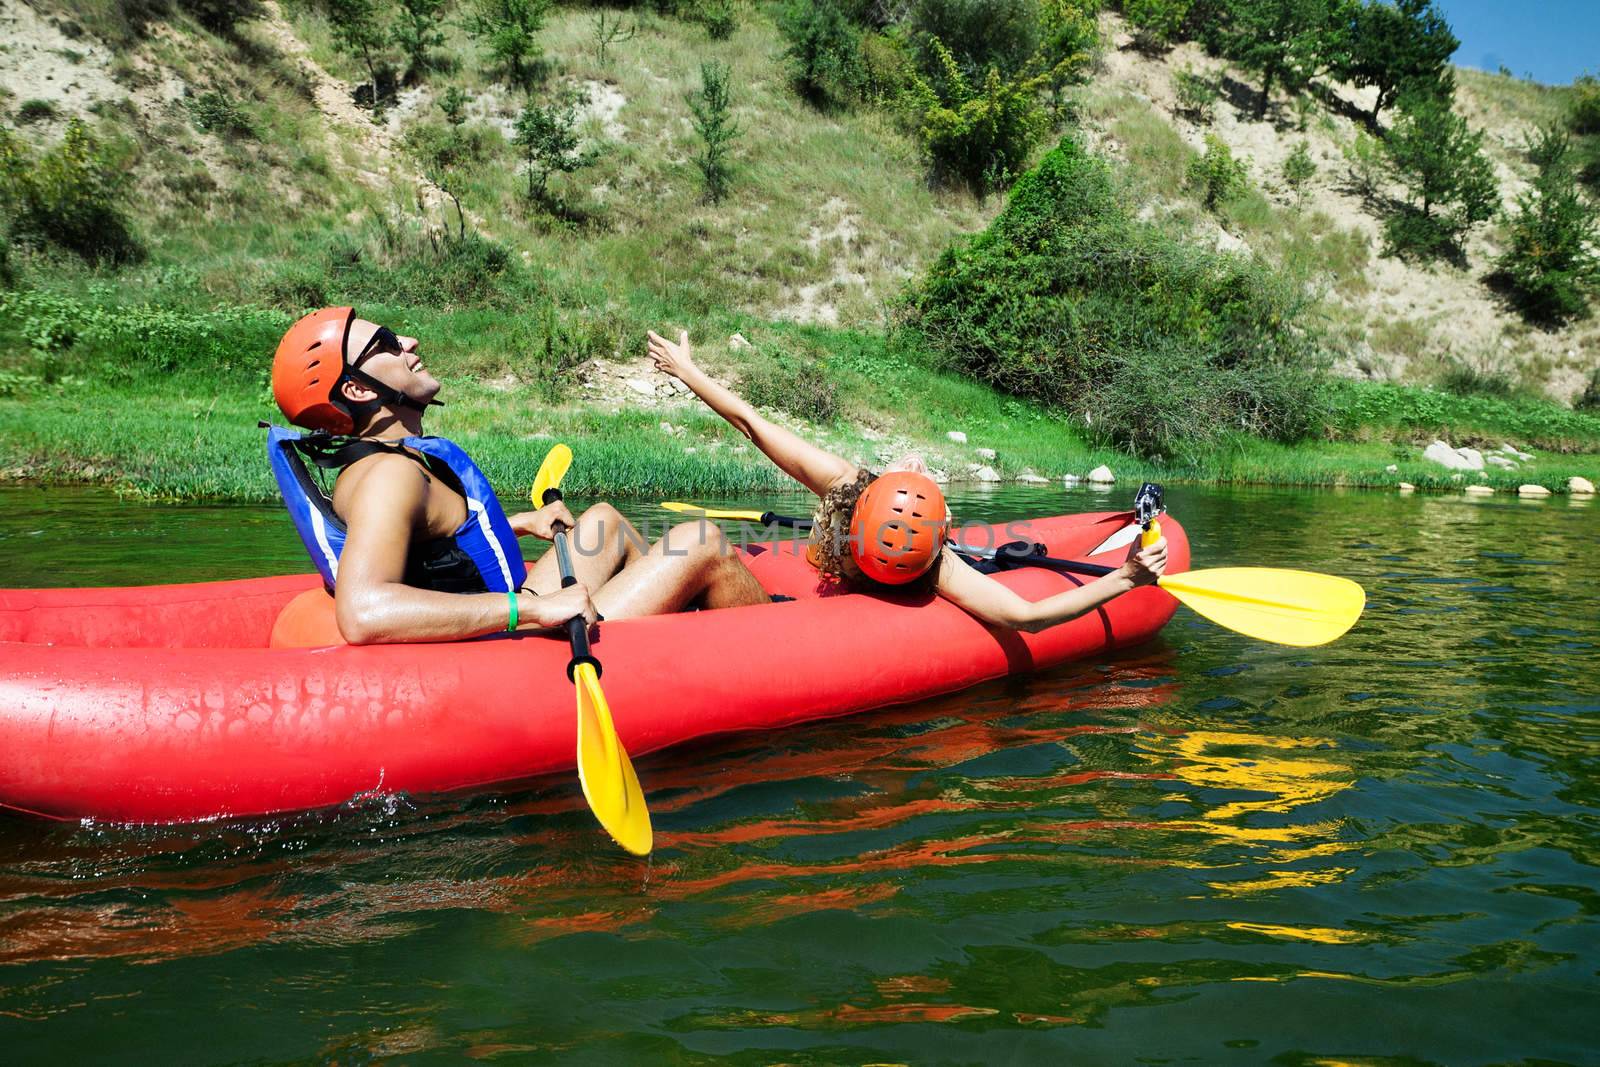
x,y
1400,320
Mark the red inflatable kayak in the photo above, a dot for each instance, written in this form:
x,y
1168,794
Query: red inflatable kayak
x,y
165,703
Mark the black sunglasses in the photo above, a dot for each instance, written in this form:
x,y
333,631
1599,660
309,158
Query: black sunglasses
x,y
383,340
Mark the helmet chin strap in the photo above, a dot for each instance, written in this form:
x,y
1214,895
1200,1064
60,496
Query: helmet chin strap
x,y
388,394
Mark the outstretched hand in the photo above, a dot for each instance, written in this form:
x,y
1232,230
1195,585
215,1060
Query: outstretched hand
x,y
1146,565
674,359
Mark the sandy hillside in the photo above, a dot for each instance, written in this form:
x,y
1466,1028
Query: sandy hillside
x,y
1415,317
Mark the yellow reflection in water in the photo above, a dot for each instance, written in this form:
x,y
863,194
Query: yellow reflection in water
x,y
1289,773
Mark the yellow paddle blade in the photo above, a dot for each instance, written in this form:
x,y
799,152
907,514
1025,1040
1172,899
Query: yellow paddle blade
x,y
551,471
712,513
1283,606
605,771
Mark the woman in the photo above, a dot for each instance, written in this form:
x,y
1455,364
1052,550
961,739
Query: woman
x,y
889,529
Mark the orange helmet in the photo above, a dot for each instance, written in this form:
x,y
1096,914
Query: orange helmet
x,y
308,368
898,527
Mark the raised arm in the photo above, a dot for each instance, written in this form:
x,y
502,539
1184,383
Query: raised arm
x,y
373,604
999,605
815,468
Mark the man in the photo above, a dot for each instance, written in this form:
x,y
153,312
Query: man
x,y
413,542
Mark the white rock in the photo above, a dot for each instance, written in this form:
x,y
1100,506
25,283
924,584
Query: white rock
x,y
1479,490
985,474
1580,486
1473,457
737,341
641,386
1532,490
1501,461
1070,480
1407,487
1032,479
1102,475
666,428
1445,456
985,453
1512,450
1392,469
957,436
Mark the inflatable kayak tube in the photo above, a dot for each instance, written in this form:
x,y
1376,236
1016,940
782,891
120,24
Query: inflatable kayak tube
x,y
167,704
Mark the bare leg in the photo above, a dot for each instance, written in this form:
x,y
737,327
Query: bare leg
x,y
601,544
693,562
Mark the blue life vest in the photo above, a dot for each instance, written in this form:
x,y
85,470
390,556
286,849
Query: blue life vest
x,y
482,555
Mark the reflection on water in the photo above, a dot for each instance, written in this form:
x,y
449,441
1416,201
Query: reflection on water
x,y
1210,848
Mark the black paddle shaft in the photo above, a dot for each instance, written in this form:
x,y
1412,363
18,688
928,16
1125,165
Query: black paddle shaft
x,y
1031,554
793,522
577,628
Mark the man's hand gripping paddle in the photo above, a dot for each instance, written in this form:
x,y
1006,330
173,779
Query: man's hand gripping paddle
x,y
604,770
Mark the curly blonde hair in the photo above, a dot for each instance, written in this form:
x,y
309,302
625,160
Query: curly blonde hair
x,y
830,530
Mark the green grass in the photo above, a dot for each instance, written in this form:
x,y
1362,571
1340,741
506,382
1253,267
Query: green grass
x,y
160,392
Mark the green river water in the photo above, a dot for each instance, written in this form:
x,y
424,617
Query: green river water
x,y
1207,850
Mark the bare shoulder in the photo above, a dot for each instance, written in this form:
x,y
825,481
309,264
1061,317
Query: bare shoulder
x,y
381,484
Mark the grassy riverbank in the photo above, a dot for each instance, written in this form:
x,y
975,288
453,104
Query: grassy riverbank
x,y
190,436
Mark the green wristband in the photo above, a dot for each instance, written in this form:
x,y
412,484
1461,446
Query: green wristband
x,y
511,626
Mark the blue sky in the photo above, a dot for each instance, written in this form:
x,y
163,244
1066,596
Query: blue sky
x,y
1554,40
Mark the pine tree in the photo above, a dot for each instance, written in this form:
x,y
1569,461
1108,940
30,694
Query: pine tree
x,y
417,31
1439,159
1396,46
1550,266
713,121
510,31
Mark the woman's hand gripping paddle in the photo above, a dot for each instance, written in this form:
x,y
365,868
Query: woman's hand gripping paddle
x,y
1285,607
604,770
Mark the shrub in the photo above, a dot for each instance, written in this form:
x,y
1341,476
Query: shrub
x,y
1157,346
401,266
1197,95
713,121
797,385
1583,113
1469,379
719,18
887,66
1366,159
977,35
454,104
1071,40
216,112
548,138
32,111
1299,168
1155,22
128,339
1217,175
981,137
1589,399
1549,265
69,196
823,52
